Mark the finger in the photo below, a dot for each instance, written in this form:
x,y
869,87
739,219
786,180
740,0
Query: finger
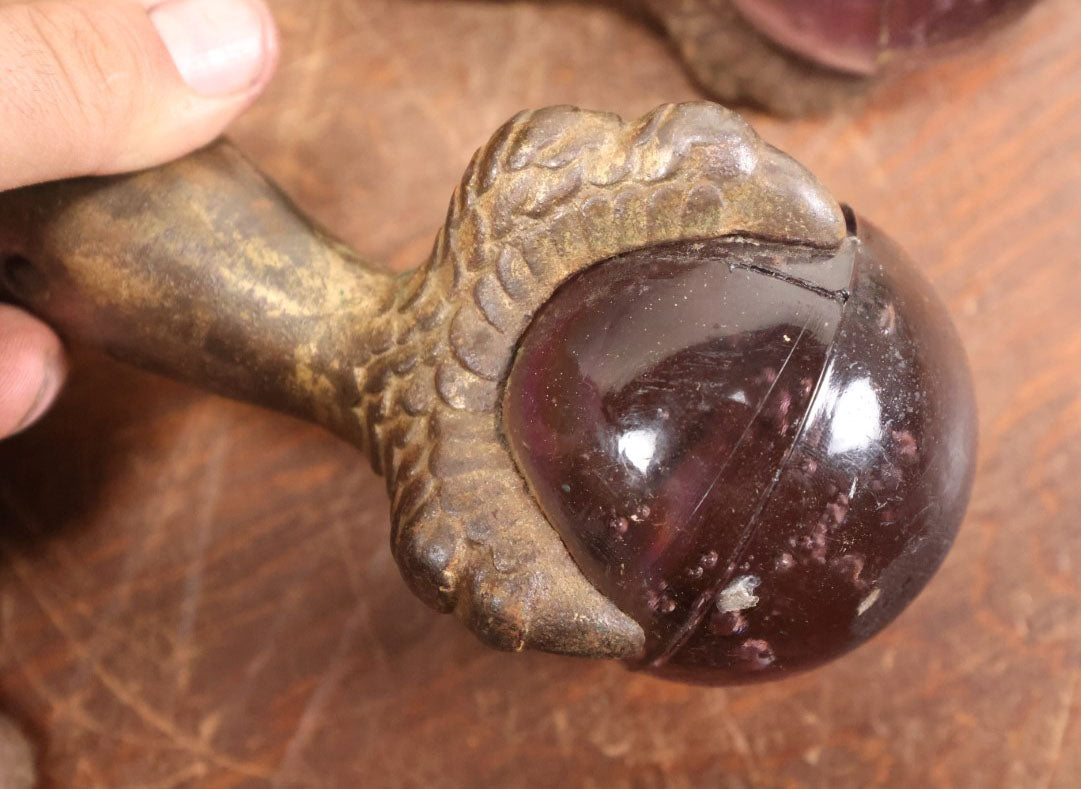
x,y
31,369
101,86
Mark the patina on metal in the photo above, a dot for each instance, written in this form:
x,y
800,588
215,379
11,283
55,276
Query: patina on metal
x,y
203,270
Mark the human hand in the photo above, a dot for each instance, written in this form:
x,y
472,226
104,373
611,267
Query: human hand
x,y
93,87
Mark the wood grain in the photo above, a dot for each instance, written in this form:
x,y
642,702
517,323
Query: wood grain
x,y
198,593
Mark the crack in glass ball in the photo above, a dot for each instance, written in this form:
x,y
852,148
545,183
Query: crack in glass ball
x,y
760,452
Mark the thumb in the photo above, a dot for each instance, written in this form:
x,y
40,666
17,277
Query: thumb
x,y
91,87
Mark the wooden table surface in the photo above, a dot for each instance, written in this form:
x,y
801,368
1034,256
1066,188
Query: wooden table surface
x,y
199,593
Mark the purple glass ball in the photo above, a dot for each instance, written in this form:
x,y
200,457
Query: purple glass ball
x,y
857,35
760,452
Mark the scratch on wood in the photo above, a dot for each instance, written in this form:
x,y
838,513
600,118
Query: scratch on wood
x,y
1061,726
419,97
125,695
193,580
185,776
345,551
152,521
321,695
68,708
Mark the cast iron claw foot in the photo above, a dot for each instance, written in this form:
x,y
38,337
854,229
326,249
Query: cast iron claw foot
x,y
767,314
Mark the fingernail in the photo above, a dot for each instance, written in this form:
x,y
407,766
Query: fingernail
x,y
220,47
53,372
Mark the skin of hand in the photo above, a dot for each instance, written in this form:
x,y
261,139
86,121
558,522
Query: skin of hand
x,y
95,87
